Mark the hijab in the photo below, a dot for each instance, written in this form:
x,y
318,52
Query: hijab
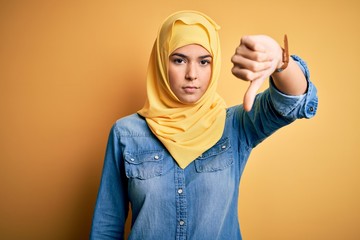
x,y
186,130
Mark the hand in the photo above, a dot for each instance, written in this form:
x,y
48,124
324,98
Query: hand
x,y
255,59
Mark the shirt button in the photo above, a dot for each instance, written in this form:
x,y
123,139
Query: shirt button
x,y
180,191
156,157
181,222
311,109
223,146
131,159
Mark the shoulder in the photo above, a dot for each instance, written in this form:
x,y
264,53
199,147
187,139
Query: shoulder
x,y
130,120
231,110
233,113
131,125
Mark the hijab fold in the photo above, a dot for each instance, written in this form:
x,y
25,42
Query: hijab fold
x,y
186,130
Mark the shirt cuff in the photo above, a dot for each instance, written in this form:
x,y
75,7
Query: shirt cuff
x,y
302,106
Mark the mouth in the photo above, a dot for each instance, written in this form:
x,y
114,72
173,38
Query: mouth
x,y
190,89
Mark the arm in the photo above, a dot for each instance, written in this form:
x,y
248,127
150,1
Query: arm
x,y
273,109
284,101
290,81
256,58
111,207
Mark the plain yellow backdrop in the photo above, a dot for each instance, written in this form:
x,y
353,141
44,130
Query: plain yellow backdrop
x,y
69,69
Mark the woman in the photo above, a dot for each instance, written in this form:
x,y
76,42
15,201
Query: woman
x,y
178,161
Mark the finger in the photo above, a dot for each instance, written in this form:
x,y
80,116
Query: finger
x,y
241,63
247,75
252,43
250,94
252,55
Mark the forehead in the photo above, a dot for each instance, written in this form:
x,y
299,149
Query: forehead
x,y
192,50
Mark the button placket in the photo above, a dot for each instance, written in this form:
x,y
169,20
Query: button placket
x,y
181,203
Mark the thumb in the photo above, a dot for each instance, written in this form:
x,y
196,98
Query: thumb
x,y
251,92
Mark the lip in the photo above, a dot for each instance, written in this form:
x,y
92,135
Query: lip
x,y
190,89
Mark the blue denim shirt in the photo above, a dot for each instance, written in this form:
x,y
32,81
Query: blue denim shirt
x,y
200,201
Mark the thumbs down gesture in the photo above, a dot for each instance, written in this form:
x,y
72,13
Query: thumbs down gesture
x,y
255,59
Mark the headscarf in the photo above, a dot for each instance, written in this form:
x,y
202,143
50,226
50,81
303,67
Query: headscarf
x,y
186,130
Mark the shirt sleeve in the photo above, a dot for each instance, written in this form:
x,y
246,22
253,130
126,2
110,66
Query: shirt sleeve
x,y
303,106
111,207
273,109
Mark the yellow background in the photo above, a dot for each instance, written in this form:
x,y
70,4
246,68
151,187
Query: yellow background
x,y
69,69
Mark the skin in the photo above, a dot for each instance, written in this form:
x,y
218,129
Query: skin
x,y
256,58
189,72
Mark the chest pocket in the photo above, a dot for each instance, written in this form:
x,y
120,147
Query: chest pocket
x,y
144,165
216,158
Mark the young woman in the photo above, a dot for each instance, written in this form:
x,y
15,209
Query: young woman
x,y
178,161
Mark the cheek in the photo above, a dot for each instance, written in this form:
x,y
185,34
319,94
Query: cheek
x,y
207,77
172,79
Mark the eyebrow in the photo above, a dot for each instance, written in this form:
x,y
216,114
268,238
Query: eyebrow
x,y
184,56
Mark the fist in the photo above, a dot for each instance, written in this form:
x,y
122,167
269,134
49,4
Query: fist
x,y
255,59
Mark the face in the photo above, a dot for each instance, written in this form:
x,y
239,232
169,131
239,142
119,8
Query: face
x,y
189,72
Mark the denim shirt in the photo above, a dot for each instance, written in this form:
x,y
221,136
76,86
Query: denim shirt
x,y
200,201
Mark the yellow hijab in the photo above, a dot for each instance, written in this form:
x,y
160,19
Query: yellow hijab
x,y
186,130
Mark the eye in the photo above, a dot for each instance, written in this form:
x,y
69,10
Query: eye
x,y
178,60
205,62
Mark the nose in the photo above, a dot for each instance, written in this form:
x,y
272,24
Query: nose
x,y
191,72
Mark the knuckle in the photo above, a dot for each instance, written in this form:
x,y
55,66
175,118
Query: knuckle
x,y
248,76
258,57
255,66
244,38
233,59
238,50
237,60
239,73
234,71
